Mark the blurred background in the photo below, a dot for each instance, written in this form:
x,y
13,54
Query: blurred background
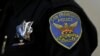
x,y
92,9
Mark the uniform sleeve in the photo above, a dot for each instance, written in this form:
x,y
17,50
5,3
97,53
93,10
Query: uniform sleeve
x,y
90,30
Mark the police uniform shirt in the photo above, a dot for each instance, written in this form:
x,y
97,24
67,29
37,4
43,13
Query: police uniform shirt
x,y
60,28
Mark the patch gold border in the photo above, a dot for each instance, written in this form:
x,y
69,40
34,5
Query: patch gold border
x,y
76,15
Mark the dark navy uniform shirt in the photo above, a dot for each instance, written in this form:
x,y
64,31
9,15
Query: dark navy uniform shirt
x,y
42,41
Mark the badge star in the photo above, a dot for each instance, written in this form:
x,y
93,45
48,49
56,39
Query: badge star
x,y
24,30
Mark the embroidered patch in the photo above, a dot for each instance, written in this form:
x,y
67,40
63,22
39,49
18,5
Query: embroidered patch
x,y
65,27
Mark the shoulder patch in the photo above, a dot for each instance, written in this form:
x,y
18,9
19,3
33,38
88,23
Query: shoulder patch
x,y
65,27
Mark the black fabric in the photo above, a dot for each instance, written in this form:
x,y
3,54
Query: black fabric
x,y
59,1
5,13
42,42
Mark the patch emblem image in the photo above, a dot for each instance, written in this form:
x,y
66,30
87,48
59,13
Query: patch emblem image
x,y
65,27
